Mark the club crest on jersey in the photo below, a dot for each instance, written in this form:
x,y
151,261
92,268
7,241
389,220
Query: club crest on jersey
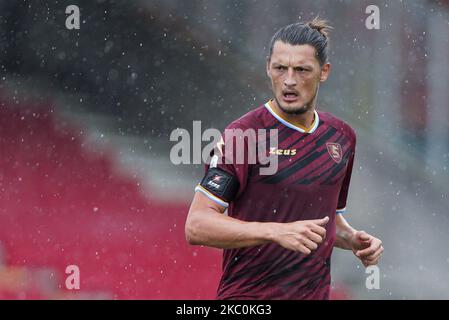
x,y
334,150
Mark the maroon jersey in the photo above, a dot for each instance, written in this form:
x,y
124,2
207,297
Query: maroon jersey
x,y
312,181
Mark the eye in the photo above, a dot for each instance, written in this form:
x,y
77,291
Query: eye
x,y
301,69
280,68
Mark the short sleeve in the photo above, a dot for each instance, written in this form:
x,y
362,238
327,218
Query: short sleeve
x,y
229,161
343,196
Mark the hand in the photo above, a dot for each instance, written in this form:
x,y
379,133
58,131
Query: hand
x,y
303,236
367,248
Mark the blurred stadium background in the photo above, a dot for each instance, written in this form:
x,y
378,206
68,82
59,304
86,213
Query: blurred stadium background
x,y
85,119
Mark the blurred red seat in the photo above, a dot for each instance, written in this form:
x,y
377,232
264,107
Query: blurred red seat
x,y
61,205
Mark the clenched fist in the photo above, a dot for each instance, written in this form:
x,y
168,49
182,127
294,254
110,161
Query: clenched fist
x,y
367,248
303,236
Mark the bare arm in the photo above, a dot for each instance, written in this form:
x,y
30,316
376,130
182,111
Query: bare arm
x,y
365,246
207,225
344,233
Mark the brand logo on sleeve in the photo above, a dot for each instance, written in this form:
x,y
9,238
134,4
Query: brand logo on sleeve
x,y
217,181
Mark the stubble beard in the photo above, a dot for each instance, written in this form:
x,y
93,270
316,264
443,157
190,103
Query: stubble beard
x,y
300,110
296,111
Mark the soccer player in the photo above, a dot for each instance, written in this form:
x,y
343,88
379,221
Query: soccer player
x,y
280,229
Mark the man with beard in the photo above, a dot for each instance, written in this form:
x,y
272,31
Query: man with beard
x,y
279,230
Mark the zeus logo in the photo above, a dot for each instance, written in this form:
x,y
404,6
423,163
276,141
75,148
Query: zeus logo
x,y
283,152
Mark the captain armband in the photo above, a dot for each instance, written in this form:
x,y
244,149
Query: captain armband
x,y
219,186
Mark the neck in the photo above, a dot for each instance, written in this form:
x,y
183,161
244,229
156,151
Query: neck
x,y
304,119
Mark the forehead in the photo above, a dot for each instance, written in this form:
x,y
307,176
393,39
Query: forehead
x,y
286,54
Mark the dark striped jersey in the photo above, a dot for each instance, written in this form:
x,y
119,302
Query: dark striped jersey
x,y
311,182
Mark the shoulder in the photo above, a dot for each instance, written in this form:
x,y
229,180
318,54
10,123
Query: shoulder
x,y
253,119
338,124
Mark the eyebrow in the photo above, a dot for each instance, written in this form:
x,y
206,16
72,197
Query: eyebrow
x,y
304,65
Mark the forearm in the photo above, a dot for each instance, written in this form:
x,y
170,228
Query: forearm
x,y
344,233
207,225
217,230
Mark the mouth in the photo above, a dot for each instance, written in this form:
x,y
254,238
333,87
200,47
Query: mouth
x,y
290,96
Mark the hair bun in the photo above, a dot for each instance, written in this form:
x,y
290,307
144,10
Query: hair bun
x,y
321,26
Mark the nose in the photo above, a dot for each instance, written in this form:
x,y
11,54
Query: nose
x,y
290,81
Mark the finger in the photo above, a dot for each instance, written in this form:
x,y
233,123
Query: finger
x,y
304,249
362,235
314,237
320,222
371,261
323,221
319,230
365,253
375,255
309,244
378,252
367,263
368,251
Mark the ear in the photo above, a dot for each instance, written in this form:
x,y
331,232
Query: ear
x,y
325,70
268,68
